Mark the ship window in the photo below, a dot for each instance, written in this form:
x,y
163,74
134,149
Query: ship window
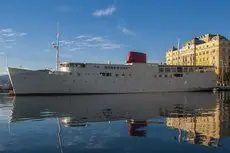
x,y
70,73
105,67
160,75
155,76
108,74
166,75
117,67
161,69
178,75
123,74
130,75
185,69
179,69
117,75
82,65
167,69
78,74
173,69
190,69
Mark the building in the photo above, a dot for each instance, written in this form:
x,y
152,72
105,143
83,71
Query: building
x,y
209,49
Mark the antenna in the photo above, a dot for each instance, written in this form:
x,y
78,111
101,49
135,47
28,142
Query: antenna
x,y
57,48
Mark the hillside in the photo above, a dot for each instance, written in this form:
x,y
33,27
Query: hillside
x,y
4,79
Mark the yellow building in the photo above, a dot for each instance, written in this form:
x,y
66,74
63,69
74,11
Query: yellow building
x,y
209,49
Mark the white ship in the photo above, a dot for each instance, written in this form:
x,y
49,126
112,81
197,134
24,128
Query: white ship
x,y
136,76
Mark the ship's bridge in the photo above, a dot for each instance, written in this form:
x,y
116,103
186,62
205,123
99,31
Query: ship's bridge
x,y
66,66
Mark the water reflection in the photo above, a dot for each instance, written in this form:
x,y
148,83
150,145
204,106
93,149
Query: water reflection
x,y
196,118
201,126
136,128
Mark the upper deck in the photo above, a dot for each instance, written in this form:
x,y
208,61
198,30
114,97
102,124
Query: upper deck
x,y
161,67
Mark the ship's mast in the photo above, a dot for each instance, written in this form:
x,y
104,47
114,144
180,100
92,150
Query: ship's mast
x,y
57,48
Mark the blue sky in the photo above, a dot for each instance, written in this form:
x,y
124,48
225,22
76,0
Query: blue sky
x,y
103,30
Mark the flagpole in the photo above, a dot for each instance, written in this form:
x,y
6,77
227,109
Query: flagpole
x,y
178,49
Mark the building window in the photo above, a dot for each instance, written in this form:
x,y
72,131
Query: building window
x,y
213,57
207,52
207,58
78,74
203,59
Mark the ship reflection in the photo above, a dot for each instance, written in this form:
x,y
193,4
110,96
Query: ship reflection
x,y
198,118
136,128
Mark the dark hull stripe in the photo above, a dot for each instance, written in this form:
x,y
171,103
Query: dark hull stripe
x,y
62,94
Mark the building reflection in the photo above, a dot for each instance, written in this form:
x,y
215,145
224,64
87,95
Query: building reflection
x,y
201,126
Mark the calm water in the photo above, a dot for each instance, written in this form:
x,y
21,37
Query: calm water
x,y
172,122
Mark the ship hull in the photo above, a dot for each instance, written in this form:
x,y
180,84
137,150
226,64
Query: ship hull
x,y
28,82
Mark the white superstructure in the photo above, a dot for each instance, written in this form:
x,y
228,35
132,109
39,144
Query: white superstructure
x,y
93,78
